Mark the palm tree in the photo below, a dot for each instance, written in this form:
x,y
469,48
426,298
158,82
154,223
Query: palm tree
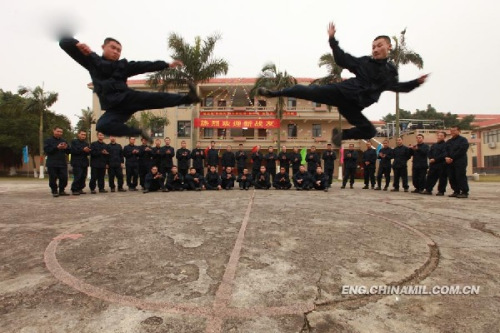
x,y
200,65
402,55
39,102
85,121
273,79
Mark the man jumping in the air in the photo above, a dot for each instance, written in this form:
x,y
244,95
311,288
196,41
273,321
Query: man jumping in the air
x,y
109,76
374,75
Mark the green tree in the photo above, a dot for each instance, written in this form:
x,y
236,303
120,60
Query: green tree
x,y
273,79
402,55
200,64
38,101
85,121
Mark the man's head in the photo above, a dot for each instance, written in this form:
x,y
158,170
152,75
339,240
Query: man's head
x,y
240,146
351,146
57,132
198,144
258,148
399,141
380,47
229,169
368,145
174,169
131,140
100,136
262,169
212,144
302,168
212,168
270,149
313,149
154,170
82,135
283,148
167,141
157,142
295,149
144,141
245,171
420,138
319,169
441,136
282,170
112,139
111,49
192,171
329,146
454,131
385,143
183,144
229,148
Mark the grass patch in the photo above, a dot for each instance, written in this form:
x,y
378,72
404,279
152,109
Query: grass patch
x,y
489,178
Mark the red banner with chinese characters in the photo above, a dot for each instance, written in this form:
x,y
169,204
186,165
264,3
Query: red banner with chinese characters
x,y
236,123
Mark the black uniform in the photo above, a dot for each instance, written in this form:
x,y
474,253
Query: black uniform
x,y
456,148
167,155
296,160
323,181
245,181
262,181
145,162
57,164
350,166
306,178
241,160
420,165
98,162
437,170
80,163
329,158
154,182
212,180
256,163
191,184
353,95
131,153
284,158
228,159
400,165
384,167
313,161
115,161
183,156
156,157
175,182
198,155
110,84
270,159
370,155
212,158
282,181
227,180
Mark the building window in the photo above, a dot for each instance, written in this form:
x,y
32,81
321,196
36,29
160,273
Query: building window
x,y
184,129
316,105
208,133
221,103
316,130
209,102
157,130
292,130
262,133
292,102
492,136
261,103
492,161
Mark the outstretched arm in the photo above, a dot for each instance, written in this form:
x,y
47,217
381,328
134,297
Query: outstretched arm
x,y
76,50
408,86
341,58
140,67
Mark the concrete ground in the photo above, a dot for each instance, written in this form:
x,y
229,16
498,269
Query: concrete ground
x,y
246,261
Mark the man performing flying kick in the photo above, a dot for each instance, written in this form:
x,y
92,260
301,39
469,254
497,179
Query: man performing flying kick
x,y
374,75
109,76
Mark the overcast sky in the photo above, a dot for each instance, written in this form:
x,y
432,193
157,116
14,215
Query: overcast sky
x,y
460,43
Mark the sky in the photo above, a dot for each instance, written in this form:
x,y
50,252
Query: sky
x,y
459,42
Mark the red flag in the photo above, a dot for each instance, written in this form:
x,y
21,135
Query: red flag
x,y
206,150
254,150
341,155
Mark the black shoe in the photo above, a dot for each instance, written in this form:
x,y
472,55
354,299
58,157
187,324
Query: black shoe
x,y
395,190
82,192
103,191
145,191
55,194
62,193
377,188
326,189
121,190
113,190
365,187
407,190
385,188
351,187
426,192
132,189
247,188
342,187
264,92
241,188
93,192
373,187
298,189
453,195
199,189
337,137
415,191
75,192
193,96
462,195
440,194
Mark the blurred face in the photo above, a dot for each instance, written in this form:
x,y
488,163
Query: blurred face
x,y
262,169
174,170
183,144
212,169
112,139
386,144
245,171
112,51
440,137
157,143
100,136
380,49
167,142
58,132
454,132
329,147
295,149
283,148
368,145
154,170
420,139
144,141
82,135
192,171
302,168
131,141
228,170
282,170
271,149
229,148
351,147
319,170
198,144
313,149
212,144
241,147
399,141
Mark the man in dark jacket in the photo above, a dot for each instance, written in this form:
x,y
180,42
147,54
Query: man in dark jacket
x,y
212,156
302,180
329,158
156,152
245,179
420,165
401,155
154,181
262,181
109,77
256,161
437,166
98,162
212,179
175,181
131,153
145,161
313,160
384,167
115,165
183,156
241,159
374,75
456,161
320,180
194,181
350,166
198,155
270,159
167,157
284,158
296,160
369,163
57,149
227,178
228,158
80,151
282,180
